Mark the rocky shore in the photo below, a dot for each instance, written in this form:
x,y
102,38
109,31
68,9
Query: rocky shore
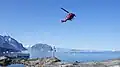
x,y
55,62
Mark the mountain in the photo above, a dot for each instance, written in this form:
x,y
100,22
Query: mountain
x,y
14,43
10,44
41,47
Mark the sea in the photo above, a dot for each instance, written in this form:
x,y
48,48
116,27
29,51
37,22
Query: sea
x,y
74,56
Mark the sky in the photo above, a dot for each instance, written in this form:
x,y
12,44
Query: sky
x,y
96,26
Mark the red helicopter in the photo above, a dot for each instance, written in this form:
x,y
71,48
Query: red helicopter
x,y
70,16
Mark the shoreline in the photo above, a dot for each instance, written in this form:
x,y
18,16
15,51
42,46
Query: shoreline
x,y
55,62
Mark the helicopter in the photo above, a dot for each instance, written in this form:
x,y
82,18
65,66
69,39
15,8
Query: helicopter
x,y
70,16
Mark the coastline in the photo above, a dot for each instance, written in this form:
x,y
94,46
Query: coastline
x,y
55,62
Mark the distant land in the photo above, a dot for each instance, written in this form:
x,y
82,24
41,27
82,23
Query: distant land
x,y
41,47
9,44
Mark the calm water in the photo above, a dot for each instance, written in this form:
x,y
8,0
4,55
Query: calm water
x,y
70,57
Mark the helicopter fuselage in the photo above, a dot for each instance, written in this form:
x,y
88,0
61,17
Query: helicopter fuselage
x,y
70,16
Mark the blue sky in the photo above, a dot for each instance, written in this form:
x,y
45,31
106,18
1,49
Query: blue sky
x,y
97,25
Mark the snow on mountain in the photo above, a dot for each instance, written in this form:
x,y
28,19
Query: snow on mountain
x,y
9,43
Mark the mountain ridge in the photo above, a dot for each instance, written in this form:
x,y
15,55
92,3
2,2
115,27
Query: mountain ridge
x,y
10,43
41,47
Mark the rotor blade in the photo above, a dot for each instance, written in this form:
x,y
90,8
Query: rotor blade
x,y
64,10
